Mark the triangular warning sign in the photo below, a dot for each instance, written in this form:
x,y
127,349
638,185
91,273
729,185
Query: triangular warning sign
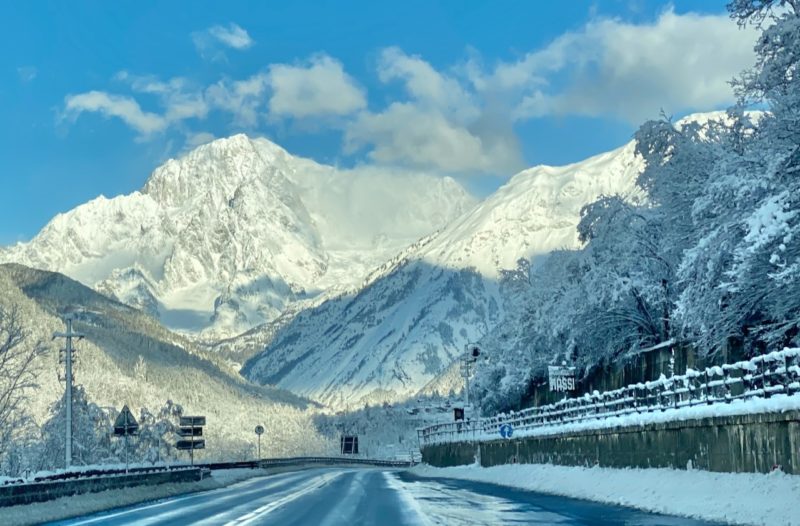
x,y
125,424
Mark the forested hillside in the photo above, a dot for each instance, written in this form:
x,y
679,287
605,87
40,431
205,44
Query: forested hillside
x,y
126,358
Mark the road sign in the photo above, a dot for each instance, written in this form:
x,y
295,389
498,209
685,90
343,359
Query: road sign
x,y
190,431
195,421
561,378
259,430
125,424
190,445
191,427
506,430
349,445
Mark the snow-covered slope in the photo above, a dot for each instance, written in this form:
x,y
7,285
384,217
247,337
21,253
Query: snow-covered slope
x,y
222,239
413,315
129,358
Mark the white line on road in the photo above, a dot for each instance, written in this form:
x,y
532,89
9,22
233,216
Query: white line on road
x,y
315,484
208,494
345,510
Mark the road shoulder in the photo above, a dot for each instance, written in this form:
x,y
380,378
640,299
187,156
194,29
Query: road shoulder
x,y
88,503
731,498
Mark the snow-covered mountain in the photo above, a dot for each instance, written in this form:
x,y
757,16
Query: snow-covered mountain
x,y
410,318
224,238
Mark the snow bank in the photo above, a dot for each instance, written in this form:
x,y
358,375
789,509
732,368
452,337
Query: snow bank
x,y
733,498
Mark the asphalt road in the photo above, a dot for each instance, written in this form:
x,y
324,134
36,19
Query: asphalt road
x,y
327,497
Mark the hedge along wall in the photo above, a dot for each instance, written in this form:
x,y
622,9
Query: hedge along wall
x,y
744,443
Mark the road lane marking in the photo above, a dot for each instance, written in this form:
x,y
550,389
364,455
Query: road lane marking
x,y
313,485
345,508
207,494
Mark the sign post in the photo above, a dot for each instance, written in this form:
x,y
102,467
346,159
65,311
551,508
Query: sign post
x,y
259,432
124,426
191,427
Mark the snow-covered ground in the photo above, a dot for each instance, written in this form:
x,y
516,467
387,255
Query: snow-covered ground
x,y
732,498
87,503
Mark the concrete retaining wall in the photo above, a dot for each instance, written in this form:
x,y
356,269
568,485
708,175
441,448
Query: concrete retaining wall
x,y
41,491
745,443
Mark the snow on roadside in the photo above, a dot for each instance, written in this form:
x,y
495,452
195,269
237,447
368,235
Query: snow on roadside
x,y
88,503
733,498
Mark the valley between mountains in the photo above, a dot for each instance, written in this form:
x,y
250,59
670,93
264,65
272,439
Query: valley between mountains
x,y
246,266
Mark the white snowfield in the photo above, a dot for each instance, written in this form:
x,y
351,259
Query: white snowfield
x,y
227,236
731,498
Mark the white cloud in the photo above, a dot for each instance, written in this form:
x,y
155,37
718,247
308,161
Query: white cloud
x,y
27,73
355,203
459,119
210,42
232,36
405,134
194,140
124,108
679,63
444,126
179,98
242,98
427,86
320,88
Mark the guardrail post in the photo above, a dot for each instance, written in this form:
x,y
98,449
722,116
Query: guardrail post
x,y
765,383
726,376
785,376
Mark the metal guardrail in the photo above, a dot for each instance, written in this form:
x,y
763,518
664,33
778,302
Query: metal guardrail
x,y
760,377
263,463
348,461
305,461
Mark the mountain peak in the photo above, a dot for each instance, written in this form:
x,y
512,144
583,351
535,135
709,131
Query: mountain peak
x,y
219,167
226,236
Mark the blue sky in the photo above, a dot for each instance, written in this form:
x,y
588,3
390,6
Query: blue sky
x,y
97,94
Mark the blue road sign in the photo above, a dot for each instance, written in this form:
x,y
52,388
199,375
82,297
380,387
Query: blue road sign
x,y
506,430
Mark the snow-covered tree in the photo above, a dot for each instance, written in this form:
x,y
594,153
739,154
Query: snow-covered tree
x,y
17,378
92,428
710,257
745,267
158,433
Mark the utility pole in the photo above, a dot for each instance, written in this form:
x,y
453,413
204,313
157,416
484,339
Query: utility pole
x,y
69,335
